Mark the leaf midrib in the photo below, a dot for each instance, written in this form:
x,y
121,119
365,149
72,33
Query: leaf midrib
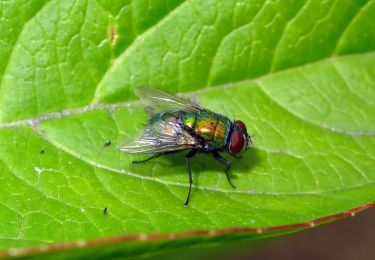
x,y
133,103
34,124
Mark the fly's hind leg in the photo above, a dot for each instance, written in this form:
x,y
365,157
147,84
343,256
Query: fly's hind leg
x,y
148,159
187,157
226,163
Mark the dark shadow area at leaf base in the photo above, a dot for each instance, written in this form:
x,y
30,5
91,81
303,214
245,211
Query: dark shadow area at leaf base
x,y
204,161
347,239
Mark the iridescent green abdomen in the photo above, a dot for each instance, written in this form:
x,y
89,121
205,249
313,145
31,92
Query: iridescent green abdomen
x,y
207,126
211,127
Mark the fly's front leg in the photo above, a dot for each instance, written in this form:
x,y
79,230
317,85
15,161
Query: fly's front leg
x,y
187,157
226,163
148,159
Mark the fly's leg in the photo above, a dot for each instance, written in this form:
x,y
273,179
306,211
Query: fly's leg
x,y
148,159
226,163
187,157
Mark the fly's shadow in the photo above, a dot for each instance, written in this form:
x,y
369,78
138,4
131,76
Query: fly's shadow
x,y
174,163
201,162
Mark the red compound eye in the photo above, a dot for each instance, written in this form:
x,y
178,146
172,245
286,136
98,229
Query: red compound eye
x,y
236,142
240,125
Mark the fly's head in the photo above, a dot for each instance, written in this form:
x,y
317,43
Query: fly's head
x,y
239,140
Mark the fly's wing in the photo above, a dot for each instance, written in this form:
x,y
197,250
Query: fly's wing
x,y
158,101
164,136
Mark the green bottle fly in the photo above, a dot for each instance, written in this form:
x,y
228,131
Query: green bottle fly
x,y
178,124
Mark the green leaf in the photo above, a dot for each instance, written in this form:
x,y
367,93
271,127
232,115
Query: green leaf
x,y
301,75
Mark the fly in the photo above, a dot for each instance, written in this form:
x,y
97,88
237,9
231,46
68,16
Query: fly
x,y
177,124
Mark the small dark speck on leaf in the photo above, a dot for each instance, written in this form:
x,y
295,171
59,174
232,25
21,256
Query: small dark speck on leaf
x,y
108,143
113,35
41,151
105,211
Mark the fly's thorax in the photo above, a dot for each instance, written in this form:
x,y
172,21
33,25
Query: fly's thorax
x,y
211,127
222,130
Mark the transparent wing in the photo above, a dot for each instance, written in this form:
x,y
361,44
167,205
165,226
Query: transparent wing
x,y
158,101
165,136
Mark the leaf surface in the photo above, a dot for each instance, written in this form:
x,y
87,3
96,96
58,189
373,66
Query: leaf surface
x,y
300,75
